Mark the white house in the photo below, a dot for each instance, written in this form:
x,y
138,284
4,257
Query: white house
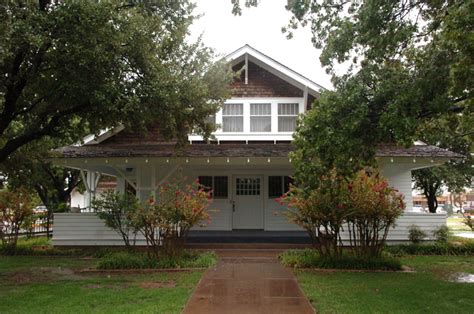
x,y
247,166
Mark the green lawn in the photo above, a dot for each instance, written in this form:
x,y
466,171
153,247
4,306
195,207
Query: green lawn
x,y
427,290
35,284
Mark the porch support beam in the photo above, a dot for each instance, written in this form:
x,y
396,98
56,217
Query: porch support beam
x,y
168,175
122,174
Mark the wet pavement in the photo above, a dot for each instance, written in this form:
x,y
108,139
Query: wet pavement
x,y
248,282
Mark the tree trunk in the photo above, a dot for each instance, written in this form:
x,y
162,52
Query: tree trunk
x,y
432,202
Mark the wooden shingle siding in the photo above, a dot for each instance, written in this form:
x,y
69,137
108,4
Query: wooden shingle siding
x,y
261,83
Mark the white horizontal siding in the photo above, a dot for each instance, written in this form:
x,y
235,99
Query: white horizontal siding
x,y
88,230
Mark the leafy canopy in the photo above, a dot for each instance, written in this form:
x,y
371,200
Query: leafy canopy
x,y
71,68
408,62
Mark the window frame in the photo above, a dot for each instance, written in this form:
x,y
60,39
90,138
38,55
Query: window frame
x,y
213,184
269,104
247,134
233,116
284,179
287,115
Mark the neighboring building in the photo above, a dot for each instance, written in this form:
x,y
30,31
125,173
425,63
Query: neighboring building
x,y
247,166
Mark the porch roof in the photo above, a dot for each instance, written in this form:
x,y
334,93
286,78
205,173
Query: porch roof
x,y
229,150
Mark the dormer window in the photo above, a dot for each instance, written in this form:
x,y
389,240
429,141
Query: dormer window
x,y
287,115
260,117
233,118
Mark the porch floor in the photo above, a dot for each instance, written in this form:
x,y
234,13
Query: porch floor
x,y
249,236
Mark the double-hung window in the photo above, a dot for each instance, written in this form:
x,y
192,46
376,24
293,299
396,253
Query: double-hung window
x,y
287,115
233,118
260,117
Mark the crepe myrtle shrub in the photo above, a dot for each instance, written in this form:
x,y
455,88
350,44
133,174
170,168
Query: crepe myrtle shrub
x,y
16,207
374,208
321,211
117,210
166,220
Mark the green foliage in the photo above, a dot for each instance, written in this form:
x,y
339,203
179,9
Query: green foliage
x,y
127,260
122,64
441,234
364,203
312,259
415,234
438,248
376,207
321,211
118,210
404,78
453,132
16,207
177,208
469,222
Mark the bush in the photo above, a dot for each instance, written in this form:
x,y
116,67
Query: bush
x,y
365,203
16,207
178,207
312,259
127,260
469,222
441,234
415,234
117,211
432,249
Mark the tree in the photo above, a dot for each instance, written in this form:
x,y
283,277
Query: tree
x,y
16,207
408,62
72,68
29,168
453,132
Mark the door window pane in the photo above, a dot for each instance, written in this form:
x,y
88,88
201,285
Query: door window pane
x,y
247,186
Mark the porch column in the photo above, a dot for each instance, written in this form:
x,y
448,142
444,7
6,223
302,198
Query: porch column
x,y
91,179
120,185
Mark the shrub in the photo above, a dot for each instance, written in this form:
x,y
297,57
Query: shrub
x,y
365,203
177,208
321,211
117,210
312,259
415,234
127,260
375,208
16,207
432,249
469,222
441,234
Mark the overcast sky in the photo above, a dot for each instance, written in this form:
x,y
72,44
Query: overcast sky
x,y
261,28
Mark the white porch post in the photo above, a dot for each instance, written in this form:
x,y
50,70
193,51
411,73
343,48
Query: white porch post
x,y
120,185
91,179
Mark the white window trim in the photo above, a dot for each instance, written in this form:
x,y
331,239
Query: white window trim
x,y
246,135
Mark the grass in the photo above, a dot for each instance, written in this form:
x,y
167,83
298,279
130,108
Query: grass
x,y
310,258
125,260
35,284
426,290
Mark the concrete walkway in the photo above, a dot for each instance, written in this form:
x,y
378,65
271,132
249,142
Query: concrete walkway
x,y
248,282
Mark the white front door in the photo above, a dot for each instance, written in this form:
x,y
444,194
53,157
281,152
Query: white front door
x,y
248,202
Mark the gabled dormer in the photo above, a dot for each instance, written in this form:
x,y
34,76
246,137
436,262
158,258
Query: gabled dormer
x,y
267,98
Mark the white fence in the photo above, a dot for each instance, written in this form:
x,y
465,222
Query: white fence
x,y
86,229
